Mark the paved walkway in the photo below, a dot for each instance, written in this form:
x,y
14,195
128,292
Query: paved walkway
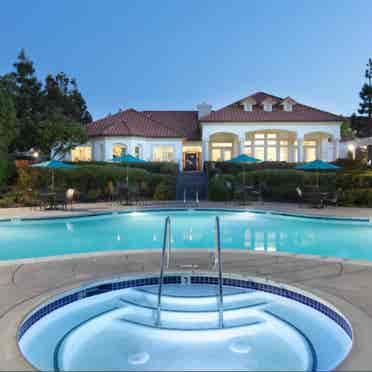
x,y
346,285
88,208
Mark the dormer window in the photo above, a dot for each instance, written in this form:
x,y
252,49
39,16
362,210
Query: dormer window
x,y
248,103
268,104
248,106
288,104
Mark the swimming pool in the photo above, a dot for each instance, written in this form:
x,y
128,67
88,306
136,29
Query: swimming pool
x,y
113,325
243,230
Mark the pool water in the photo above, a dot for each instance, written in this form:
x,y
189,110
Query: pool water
x,y
189,229
119,330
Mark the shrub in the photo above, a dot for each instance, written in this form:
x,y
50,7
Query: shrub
x,y
150,166
220,188
164,191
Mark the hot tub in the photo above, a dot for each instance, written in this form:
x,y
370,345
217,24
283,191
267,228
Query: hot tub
x,y
116,325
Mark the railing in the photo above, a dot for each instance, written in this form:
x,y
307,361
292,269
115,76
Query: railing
x,y
197,197
218,263
164,264
184,196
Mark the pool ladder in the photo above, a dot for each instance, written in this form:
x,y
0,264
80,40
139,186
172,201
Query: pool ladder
x,y
165,260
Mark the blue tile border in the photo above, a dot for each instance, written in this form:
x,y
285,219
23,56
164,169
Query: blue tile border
x,y
177,279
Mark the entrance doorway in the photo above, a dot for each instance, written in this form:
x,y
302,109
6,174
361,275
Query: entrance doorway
x,y
191,161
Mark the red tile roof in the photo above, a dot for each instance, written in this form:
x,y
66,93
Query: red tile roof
x,y
184,122
131,123
235,112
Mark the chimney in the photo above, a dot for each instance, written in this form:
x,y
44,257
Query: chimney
x,y
204,109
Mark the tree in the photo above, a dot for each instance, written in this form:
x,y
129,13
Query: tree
x,y
40,106
7,130
27,100
365,106
7,121
58,135
61,95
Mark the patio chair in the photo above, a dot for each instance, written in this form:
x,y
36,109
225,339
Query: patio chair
x,y
65,198
314,198
332,198
44,198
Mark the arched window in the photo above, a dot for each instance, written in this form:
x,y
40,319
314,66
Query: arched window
x,y
119,150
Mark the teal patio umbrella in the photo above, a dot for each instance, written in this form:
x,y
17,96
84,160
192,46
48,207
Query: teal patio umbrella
x,y
128,159
243,159
317,166
53,164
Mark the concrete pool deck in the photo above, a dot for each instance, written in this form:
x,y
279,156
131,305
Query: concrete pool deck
x,y
102,207
346,284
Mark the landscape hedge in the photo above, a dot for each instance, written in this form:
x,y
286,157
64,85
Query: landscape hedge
x,y
354,186
91,180
151,166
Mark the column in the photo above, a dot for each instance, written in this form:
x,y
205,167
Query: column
x,y
205,151
324,149
291,156
241,145
300,149
336,145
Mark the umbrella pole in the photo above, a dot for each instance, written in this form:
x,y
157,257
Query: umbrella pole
x,y
52,186
127,186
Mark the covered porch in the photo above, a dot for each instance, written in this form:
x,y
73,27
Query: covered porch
x,y
272,145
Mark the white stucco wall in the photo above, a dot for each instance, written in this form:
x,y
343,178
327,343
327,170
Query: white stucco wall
x,y
328,151
102,147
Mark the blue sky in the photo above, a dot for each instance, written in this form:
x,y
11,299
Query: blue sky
x,y
173,54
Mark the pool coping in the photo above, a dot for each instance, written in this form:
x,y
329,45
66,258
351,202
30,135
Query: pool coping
x,y
196,208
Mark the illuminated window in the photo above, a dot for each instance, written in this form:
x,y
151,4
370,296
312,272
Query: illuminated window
x,y
310,153
259,135
271,135
283,153
259,153
222,144
81,153
271,154
119,150
163,153
221,154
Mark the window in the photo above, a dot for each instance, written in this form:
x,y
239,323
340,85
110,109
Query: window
x,y
310,153
119,150
283,153
268,107
137,151
269,147
259,153
81,153
163,153
310,150
271,154
221,144
248,107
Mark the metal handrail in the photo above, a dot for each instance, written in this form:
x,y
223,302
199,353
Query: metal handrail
x,y
197,197
184,196
219,266
164,264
